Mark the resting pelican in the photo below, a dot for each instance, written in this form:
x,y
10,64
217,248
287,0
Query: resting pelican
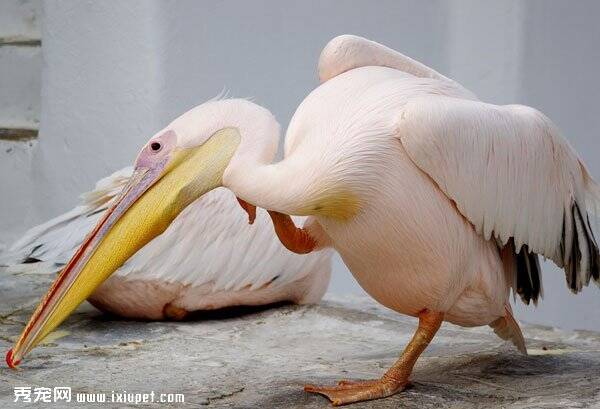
x,y
437,202
208,258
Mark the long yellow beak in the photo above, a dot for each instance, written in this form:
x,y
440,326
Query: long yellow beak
x,y
144,209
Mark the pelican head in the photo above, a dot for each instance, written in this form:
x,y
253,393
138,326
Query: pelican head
x,y
177,166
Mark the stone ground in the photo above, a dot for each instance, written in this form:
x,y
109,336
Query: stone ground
x,y
261,359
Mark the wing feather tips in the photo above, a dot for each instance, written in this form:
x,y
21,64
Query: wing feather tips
x,y
528,277
593,207
582,262
595,264
579,255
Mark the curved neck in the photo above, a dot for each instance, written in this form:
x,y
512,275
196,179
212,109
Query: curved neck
x,y
272,186
285,186
294,186
297,185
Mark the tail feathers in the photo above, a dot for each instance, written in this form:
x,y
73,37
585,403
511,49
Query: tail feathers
x,y
56,240
53,241
508,329
33,234
37,268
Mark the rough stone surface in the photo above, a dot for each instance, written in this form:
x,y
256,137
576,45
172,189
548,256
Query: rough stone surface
x,y
261,359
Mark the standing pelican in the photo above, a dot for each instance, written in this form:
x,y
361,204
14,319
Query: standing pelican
x,y
438,203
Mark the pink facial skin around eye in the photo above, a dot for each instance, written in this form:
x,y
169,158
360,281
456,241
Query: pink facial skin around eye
x,y
149,157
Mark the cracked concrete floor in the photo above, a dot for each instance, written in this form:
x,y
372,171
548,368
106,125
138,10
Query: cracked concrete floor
x,y
262,359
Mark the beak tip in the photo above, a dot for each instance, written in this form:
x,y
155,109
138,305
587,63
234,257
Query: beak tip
x,y
9,360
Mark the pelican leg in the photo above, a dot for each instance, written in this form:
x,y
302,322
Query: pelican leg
x,y
171,312
395,379
295,239
248,208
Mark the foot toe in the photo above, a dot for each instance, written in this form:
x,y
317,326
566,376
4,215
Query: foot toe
x,y
349,382
356,391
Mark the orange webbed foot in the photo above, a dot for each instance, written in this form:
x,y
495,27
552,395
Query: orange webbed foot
x,y
349,391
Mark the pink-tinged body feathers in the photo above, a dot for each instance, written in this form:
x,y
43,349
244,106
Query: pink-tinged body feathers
x,y
408,247
454,194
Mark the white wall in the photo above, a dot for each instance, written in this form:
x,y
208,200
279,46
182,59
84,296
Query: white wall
x,y
20,82
114,74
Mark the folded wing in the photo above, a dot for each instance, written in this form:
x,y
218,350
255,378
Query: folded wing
x,y
512,175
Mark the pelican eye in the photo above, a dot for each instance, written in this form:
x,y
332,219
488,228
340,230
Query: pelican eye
x,y
155,146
